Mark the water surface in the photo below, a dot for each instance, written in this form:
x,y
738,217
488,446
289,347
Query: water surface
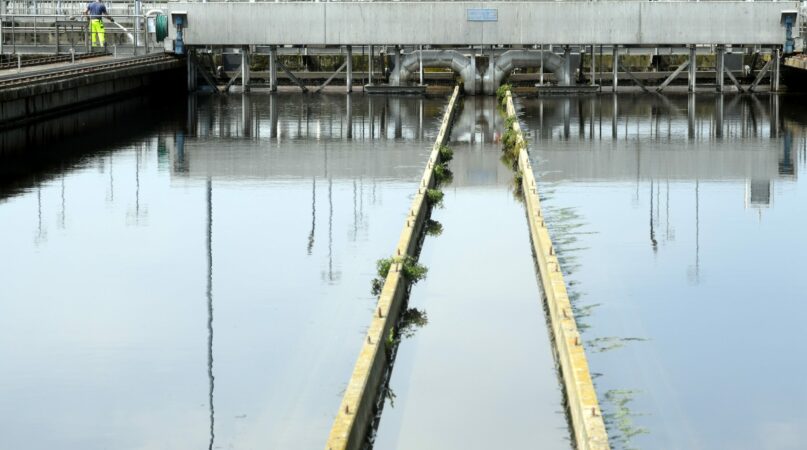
x,y
479,374
200,282
680,222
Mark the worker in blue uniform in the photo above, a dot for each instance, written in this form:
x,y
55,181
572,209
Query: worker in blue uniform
x,y
96,10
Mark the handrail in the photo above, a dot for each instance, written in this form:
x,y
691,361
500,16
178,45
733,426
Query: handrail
x,y
58,34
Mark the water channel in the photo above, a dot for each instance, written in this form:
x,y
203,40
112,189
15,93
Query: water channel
x,y
680,222
480,374
202,281
197,274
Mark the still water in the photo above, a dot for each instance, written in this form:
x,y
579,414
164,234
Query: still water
x,y
680,223
201,281
479,374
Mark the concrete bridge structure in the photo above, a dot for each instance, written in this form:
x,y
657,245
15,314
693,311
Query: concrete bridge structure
x,y
545,35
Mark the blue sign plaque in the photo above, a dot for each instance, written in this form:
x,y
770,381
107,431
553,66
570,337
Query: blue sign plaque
x,y
483,14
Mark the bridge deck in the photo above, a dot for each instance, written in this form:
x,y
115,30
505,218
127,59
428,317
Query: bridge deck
x,y
622,22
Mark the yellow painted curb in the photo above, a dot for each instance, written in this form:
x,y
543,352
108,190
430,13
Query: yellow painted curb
x,y
587,422
357,410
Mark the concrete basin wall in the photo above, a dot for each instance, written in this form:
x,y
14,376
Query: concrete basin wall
x,y
37,99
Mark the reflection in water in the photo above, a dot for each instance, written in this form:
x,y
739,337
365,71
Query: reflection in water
x,y
129,331
315,117
453,376
41,233
674,188
210,376
313,214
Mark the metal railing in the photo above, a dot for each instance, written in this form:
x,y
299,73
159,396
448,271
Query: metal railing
x,y
56,34
74,8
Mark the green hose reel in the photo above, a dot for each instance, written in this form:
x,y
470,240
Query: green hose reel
x,y
161,27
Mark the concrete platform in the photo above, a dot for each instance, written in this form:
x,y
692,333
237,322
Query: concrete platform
x,y
40,91
550,89
385,89
39,68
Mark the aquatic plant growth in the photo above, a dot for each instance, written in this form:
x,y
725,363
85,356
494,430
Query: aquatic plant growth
x,y
510,140
442,174
588,429
433,228
619,419
446,154
501,92
434,197
409,267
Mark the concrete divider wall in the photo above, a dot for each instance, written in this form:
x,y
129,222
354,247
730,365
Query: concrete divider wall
x,y
588,426
356,412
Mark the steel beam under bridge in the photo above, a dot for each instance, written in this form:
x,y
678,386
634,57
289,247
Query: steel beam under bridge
x,y
623,22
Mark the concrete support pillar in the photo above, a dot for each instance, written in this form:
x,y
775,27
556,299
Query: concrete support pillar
x,y
567,62
397,58
720,61
371,116
691,116
774,116
615,68
273,68
776,70
349,68
245,68
190,125
246,115
420,65
2,38
614,116
719,103
593,67
473,61
693,68
370,66
191,71
542,65
349,113
273,117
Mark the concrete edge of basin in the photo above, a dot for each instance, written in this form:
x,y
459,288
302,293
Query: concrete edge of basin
x,y
588,426
356,411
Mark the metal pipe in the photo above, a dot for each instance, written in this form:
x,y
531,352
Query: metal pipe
x,y
453,59
512,59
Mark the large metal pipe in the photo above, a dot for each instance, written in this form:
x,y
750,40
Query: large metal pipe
x,y
437,58
511,59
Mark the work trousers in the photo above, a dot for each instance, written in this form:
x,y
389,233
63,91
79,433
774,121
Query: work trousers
x,y
97,30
